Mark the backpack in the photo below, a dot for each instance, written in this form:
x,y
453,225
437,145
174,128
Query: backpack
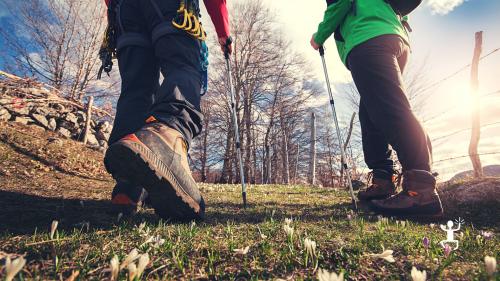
x,y
404,7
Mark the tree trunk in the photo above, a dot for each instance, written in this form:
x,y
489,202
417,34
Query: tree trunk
x,y
86,131
476,124
286,164
312,159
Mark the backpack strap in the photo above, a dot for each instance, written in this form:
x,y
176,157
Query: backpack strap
x,y
133,39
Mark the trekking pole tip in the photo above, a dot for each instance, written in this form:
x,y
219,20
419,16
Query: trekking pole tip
x,y
244,195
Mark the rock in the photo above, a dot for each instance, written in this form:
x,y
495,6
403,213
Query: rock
x,y
52,124
4,114
58,107
40,119
64,132
82,117
91,140
42,110
23,120
102,132
18,109
70,117
103,144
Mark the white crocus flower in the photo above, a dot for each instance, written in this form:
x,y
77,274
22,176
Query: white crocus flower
x,y
131,257
386,255
491,265
242,252
53,228
432,225
119,217
288,230
12,268
325,275
114,267
288,221
417,275
310,246
141,265
132,271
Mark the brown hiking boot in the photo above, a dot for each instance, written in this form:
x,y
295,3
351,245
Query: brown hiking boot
x,y
419,197
382,186
155,157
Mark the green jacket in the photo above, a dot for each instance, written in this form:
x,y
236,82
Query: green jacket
x,y
355,25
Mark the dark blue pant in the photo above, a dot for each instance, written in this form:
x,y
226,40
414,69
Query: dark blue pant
x,y
176,101
384,111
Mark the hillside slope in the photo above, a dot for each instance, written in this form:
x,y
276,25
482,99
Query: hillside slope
x,y
45,176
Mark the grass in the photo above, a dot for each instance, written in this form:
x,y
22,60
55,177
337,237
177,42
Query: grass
x,y
89,234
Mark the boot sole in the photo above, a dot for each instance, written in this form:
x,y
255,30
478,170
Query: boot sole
x,y
136,163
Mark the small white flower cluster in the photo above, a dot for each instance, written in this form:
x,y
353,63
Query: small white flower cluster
x,y
287,228
325,275
417,275
134,270
310,246
13,267
491,265
53,228
242,251
386,255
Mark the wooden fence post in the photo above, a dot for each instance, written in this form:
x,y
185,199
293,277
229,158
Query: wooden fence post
x,y
89,118
312,159
475,114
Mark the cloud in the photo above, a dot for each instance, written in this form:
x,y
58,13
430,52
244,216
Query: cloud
x,y
443,7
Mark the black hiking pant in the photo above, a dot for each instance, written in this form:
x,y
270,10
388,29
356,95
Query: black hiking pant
x,y
384,110
142,53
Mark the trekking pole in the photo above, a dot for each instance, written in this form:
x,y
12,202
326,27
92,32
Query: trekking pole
x,y
342,152
235,121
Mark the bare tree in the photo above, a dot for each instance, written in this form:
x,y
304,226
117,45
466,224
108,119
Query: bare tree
x,y
57,41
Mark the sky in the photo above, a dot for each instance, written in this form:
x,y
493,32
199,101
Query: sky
x,y
442,41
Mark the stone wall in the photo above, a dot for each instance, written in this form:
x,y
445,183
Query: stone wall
x,y
29,102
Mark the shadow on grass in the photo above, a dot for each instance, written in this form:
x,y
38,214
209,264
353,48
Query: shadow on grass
x,y
24,213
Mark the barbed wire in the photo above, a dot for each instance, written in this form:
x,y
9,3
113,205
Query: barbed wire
x,y
449,109
463,156
491,94
462,130
457,72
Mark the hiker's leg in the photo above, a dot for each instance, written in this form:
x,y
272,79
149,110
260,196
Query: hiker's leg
x,y
139,70
377,154
155,156
140,79
375,67
376,149
177,102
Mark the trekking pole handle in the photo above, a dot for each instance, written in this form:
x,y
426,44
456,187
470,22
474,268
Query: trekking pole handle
x,y
321,51
229,41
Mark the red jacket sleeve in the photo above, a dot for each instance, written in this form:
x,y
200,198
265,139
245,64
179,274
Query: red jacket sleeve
x,y
217,10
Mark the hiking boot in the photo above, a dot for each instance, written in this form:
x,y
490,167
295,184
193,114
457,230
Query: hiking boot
x,y
155,157
382,186
127,198
419,197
